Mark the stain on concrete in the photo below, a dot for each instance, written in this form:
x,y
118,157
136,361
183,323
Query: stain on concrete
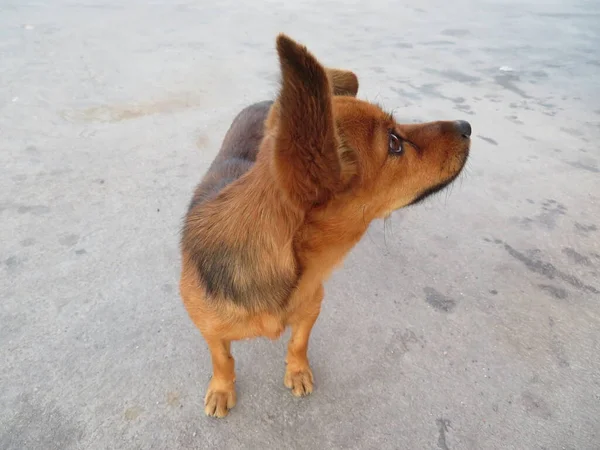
x,y
39,426
585,228
27,242
119,113
576,257
554,291
59,172
515,119
439,42
557,347
132,413
487,139
548,270
589,167
522,105
551,211
202,141
535,405
401,343
464,108
456,32
36,210
406,94
80,251
524,222
443,428
460,77
12,324
548,218
493,292
69,240
173,399
438,300
539,74
572,131
11,262
507,81
431,90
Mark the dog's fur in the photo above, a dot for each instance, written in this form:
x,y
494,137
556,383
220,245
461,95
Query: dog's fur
x,y
293,189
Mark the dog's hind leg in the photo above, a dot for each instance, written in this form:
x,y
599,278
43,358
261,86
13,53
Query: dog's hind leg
x,y
220,396
298,375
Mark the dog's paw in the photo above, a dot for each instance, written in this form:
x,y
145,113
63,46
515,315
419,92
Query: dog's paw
x,y
299,381
217,403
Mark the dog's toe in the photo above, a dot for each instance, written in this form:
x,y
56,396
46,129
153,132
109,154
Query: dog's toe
x,y
218,403
299,381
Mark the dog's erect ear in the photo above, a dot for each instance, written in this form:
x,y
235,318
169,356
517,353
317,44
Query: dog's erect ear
x,y
307,164
343,82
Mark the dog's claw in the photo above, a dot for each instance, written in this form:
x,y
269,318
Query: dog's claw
x,y
218,403
299,381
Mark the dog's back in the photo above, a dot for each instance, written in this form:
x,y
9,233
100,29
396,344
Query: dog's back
x,y
237,154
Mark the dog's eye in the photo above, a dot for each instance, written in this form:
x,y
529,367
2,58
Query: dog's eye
x,y
395,144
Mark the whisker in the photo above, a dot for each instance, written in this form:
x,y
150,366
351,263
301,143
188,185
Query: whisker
x,y
365,224
384,230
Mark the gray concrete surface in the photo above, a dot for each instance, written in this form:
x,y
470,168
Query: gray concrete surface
x,y
471,322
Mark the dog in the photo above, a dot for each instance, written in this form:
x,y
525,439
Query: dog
x,y
293,188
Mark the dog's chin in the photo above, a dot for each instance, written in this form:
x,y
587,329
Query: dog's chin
x,y
462,161
436,188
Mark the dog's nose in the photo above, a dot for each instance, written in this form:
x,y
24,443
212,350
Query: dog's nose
x,y
463,127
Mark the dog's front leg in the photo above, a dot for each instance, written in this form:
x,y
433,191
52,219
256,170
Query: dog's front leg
x,y
298,375
220,396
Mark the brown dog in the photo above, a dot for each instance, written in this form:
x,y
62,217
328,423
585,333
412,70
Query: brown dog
x,y
293,189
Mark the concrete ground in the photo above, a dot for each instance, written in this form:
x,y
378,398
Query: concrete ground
x,y
469,322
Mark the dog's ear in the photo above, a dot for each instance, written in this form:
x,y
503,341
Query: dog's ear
x,y
343,82
307,163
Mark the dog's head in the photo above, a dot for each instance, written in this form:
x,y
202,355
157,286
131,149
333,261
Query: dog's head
x,y
330,145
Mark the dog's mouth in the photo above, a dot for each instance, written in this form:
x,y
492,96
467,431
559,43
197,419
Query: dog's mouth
x,y
433,190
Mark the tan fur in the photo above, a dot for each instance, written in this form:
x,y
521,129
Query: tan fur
x,y
256,251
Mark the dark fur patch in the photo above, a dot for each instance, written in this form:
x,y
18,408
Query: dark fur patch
x,y
231,273
221,175
237,155
432,190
